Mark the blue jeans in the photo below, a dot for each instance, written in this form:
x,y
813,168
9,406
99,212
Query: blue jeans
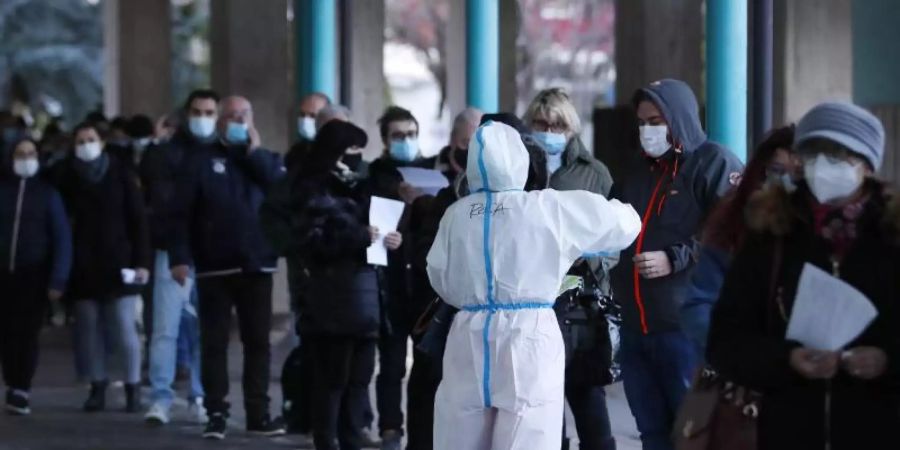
x,y
108,324
657,370
170,301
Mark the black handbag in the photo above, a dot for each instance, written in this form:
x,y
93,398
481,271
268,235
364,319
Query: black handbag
x,y
589,321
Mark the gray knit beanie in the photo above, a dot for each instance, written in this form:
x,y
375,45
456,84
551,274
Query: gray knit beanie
x,y
847,124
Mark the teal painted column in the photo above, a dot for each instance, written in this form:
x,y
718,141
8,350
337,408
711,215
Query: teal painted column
x,y
726,74
483,54
315,23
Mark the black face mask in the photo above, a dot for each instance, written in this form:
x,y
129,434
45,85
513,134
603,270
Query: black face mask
x,y
352,161
461,157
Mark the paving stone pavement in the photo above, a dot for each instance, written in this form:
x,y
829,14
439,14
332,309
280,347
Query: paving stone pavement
x,y
58,422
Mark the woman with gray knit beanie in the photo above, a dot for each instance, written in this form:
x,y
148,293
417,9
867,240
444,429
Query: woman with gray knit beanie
x,y
845,222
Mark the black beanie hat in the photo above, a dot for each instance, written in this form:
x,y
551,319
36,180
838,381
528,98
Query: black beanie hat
x,y
332,141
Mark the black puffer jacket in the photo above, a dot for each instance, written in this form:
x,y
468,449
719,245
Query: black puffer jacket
x,y
747,334
340,292
110,231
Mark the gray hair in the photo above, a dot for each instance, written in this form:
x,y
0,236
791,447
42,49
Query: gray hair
x,y
331,112
468,116
554,105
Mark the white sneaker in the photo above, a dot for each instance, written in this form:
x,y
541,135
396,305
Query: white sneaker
x,y
197,412
157,415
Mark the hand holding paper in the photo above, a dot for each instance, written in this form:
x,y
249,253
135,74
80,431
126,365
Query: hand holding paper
x,y
384,216
828,313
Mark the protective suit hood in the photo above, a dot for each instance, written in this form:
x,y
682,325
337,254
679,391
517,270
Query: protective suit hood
x,y
498,160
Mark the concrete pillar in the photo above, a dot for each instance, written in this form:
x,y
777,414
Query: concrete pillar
x,y
362,65
510,22
813,55
658,39
456,56
138,54
249,41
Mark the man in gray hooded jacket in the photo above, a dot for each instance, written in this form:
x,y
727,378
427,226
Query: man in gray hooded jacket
x,y
673,187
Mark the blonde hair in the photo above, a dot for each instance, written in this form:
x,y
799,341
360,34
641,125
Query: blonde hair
x,y
554,105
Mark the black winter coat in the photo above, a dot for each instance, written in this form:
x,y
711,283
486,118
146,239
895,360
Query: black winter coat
x,y
110,231
339,291
747,343
159,170
216,214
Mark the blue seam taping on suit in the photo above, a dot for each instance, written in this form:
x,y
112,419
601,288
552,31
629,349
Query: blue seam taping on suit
x,y
495,307
598,255
486,385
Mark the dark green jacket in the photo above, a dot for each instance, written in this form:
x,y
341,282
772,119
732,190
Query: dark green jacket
x,y
581,171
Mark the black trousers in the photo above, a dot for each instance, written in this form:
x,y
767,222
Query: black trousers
x,y
23,309
588,403
424,379
392,350
343,367
250,295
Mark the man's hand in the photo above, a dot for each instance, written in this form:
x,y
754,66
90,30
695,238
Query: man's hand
x,y
865,363
408,193
393,240
181,273
373,234
814,364
255,141
54,295
653,264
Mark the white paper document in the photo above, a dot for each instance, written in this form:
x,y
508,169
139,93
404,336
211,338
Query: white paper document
x,y
385,215
429,181
828,313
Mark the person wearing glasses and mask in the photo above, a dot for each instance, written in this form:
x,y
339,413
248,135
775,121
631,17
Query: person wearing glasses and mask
x,y
844,221
555,125
400,136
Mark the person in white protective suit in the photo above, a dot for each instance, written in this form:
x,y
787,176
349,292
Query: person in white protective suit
x,y
500,256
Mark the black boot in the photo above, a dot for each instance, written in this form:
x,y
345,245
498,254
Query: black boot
x,y
132,398
97,398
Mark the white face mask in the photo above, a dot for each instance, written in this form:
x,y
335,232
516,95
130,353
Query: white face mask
x,y
26,168
830,181
306,128
202,127
88,151
653,140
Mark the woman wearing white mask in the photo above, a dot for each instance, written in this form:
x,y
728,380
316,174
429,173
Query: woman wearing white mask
x,y
111,257
36,255
843,221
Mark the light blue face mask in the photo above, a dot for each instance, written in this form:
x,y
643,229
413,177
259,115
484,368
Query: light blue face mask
x,y
404,150
236,133
306,128
553,143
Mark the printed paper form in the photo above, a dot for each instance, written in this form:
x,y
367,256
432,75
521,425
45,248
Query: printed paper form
x,y
828,313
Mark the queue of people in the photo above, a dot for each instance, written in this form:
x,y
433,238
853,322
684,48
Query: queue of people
x,y
700,257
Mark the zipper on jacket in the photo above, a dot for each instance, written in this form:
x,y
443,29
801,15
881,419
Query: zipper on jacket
x,y
640,246
15,231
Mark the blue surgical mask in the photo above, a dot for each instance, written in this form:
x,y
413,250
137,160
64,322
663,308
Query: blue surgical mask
x,y
306,128
236,133
202,127
405,150
552,143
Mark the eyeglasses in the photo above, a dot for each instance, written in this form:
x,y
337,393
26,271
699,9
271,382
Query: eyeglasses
x,y
542,126
399,135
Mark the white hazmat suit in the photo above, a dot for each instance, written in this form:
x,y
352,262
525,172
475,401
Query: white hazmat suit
x,y
500,256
